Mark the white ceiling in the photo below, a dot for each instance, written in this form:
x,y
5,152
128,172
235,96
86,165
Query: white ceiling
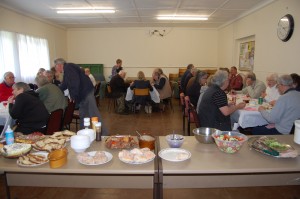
x,y
137,13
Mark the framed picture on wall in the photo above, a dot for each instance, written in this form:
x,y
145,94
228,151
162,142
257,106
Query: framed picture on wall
x,y
246,57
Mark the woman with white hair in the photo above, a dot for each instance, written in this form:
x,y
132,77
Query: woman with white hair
x,y
214,110
272,93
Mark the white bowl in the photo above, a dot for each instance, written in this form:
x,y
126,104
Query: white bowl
x,y
80,141
79,150
89,132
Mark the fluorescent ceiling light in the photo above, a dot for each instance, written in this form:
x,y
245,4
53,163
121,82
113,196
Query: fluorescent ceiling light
x,y
84,11
187,18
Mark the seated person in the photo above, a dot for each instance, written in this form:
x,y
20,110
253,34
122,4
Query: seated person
x,y
296,81
272,93
161,83
235,80
119,88
214,110
141,82
28,109
6,86
188,71
254,88
89,74
192,73
285,111
194,86
50,94
51,77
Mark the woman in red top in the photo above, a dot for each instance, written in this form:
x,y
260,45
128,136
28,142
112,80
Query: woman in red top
x,y
6,86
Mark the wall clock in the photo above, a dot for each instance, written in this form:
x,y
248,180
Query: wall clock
x,y
285,27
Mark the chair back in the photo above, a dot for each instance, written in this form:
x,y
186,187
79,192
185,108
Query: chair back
x,y
173,77
194,115
54,122
181,71
186,105
181,95
141,91
97,89
68,116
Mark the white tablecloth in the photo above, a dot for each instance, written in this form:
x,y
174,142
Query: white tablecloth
x,y
154,95
248,117
5,119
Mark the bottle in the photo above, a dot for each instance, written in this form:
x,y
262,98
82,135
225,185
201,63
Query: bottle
x,y
86,122
98,131
9,136
94,121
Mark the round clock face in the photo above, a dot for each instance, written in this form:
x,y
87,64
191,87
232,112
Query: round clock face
x,y
285,27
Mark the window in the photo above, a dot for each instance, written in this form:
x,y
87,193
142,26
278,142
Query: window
x,y
23,55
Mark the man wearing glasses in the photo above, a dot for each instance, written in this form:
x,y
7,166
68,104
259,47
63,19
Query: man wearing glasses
x,y
6,86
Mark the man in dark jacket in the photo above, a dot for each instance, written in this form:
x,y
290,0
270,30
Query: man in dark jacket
x,y
80,88
28,109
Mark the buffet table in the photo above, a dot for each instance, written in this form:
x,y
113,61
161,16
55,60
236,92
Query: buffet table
x,y
207,167
114,174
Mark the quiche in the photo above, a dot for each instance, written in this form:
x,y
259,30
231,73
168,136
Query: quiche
x,y
15,150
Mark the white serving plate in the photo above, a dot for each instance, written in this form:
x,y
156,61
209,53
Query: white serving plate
x,y
45,154
133,162
173,154
92,153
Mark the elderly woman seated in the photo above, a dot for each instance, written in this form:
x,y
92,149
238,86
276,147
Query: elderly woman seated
x,y
214,110
26,107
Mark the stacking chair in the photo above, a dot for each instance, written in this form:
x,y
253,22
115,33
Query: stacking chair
x,y
54,123
97,93
76,117
191,114
182,103
140,92
68,115
112,99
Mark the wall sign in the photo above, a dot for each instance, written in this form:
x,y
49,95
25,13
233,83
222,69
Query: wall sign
x,y
246,57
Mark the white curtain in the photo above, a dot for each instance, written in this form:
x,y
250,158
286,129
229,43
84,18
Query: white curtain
x,y
23,55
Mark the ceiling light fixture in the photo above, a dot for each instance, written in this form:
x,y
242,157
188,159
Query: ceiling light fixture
x,y
84,11
183,18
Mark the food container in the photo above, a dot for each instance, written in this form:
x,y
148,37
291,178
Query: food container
x,y
203,134
58,158
175,140
89,132
146,141
229,141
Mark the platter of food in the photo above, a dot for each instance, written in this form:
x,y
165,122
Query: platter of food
x,y
121,142
66,134
136,156
175,154
33,159
30,138
272,147
49,144
15,150
94,157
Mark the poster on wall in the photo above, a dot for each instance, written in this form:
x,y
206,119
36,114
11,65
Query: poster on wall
x,y
246,58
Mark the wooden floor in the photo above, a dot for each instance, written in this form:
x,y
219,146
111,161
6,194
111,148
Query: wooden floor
x,y
160,123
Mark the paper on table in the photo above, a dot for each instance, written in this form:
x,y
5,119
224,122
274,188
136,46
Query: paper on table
x,y
297,132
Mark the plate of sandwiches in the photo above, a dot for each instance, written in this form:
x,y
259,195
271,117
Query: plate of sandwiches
x,y
136,156
49,144
66,134
30,138
33,159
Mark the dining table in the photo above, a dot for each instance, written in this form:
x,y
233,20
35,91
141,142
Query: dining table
x,y
249,116
205,167
5,118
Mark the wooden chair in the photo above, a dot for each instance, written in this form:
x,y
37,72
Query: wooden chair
x,y
139,92
169,99
181,71
68,115
112,100
76,117
191,114
97,93
173,77
54,123
182,103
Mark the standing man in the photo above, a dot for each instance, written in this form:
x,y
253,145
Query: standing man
x,y
80,88
6,86
235,80
116,68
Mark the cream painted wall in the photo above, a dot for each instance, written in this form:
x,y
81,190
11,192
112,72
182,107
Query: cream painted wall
x,y
140,51
271,54
56,36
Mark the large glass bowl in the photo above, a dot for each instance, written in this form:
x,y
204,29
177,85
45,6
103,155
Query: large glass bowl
x,y
229,141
